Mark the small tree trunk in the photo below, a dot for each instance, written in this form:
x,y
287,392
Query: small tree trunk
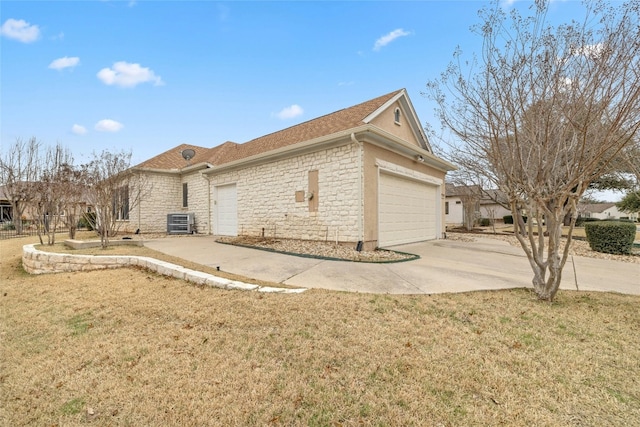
x,y
72,224
546,264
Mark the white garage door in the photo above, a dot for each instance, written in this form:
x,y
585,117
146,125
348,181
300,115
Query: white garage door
x,y
406,210
227,210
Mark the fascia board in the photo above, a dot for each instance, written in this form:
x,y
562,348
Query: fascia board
x,y
384,106
188,169
416,126
389,141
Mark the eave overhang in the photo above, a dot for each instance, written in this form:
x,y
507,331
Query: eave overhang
x,y
175,171
367,132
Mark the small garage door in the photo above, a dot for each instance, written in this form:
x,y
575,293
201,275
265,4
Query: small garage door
x,y
227,210
406,210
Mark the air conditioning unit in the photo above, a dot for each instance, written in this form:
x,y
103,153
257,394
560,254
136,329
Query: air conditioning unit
x,y
180,223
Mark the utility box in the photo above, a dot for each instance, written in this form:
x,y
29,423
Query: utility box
x,y
181,223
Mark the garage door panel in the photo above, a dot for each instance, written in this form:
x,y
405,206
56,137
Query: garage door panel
x,y
407,210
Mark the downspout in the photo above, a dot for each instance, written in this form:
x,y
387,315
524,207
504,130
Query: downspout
x,y
208,202
139,202
360,189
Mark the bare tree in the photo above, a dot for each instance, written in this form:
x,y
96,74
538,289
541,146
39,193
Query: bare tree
x,y
57,194
543,113
19,170
74,201
48,192
113,189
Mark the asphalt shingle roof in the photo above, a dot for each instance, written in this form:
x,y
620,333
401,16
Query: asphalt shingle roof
x,y
337,121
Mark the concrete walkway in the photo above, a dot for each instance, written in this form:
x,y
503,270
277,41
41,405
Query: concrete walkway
x,y
444,266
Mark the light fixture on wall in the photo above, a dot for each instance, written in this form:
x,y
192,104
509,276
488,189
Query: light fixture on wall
x,y
420,158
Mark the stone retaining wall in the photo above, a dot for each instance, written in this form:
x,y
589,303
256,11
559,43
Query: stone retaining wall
x,y
40,262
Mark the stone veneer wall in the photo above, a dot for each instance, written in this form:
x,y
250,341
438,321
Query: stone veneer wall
x,y
197,200
162,196
266,196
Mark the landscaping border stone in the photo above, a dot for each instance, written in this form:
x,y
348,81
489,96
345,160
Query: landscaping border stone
x,y
35,261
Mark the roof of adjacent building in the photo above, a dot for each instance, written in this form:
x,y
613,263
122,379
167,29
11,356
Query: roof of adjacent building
x,y
337,121
452,190
595,207
486,197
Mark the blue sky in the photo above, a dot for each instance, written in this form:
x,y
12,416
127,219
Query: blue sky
x,y
146,76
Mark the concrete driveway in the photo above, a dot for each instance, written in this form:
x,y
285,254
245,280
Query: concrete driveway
x,y
444,266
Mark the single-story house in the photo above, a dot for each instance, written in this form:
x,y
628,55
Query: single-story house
x,y
604,211
6,211
492,205
30,212
455,198
486,203
365,174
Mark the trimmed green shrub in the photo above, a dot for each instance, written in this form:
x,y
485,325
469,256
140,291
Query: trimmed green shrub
x,y
508,219
581,220
610,237
485,222
87,220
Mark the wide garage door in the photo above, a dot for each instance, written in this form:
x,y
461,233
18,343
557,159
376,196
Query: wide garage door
x,y
227,210
406,210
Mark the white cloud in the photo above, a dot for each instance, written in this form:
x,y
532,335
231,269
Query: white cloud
x,y
590,50
108,125
388,38
20,30
65,62
125,74
290,112
78,129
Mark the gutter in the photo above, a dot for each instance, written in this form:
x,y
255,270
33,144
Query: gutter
x,y
375,134
311,145
203,165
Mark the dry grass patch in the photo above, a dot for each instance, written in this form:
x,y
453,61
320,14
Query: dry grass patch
x,y
125,347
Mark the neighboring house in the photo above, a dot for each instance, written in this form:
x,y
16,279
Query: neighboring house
x,y
454,203
604,211
361,174
30,212
6,211
486,204
492,205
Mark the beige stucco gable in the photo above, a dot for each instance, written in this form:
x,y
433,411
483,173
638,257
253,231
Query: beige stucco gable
x,y
402,128
398,118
